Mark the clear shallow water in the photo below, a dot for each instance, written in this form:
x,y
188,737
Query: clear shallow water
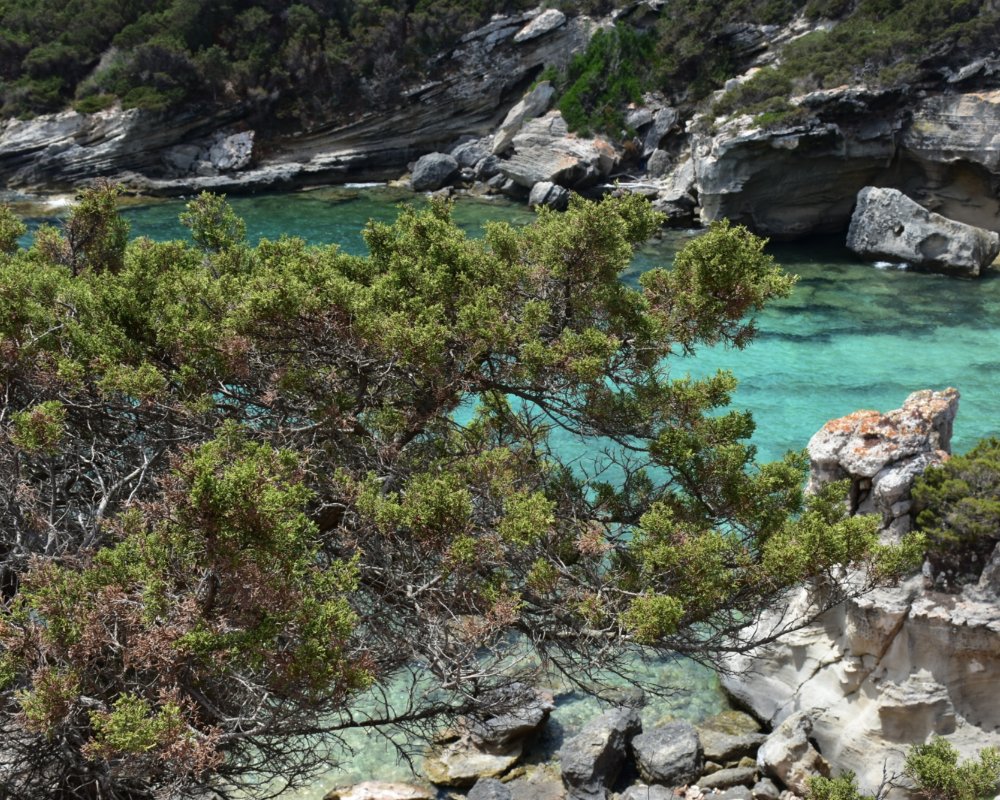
x,y
851,336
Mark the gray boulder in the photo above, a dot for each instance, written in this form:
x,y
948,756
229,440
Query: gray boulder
x,y
533,104
488,168
546,193
592,759
670,754
489,789
468,154
663,121
638,118
728,778
734,793
232,152
544,150
887,225
642,791
433,171
765,789
789,755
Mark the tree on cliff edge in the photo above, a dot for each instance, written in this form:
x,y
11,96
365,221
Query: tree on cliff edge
x,y
242,487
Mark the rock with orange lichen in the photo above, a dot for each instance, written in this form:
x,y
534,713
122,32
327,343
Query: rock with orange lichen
x,y
882,454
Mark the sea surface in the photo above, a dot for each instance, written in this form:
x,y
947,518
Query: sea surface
x,y
851,336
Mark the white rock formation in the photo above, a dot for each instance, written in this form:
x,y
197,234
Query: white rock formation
x,y
889,226
893,668
545,150
882,454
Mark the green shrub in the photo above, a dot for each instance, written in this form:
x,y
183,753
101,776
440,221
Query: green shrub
x,y
844,787
599,82
934,767
957,507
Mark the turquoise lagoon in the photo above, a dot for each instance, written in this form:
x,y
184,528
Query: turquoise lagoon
x,y
851,336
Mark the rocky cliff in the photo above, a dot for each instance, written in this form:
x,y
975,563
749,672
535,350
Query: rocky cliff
x,y
880,673
158,153
786,175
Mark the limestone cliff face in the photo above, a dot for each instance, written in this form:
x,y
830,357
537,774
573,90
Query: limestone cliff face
x,y
888,670
944,152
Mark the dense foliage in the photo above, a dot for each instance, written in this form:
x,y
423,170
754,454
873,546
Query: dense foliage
x,y
299,59
240,485
312,60
957,507
878,44
697,45
933,771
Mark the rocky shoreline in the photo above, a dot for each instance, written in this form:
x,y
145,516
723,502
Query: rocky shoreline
x,y
852,690
937,143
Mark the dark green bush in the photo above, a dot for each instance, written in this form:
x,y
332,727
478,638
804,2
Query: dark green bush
x,y
958,509
934,767
601,81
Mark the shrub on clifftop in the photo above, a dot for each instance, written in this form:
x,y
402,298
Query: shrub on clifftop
x,y
958,508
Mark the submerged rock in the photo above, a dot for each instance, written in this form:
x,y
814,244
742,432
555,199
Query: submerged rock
x,y
887,225
377,790
460,764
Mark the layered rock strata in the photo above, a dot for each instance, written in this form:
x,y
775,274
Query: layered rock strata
x,y
877,674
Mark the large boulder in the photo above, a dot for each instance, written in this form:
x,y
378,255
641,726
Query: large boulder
x,y
591,760
378,790
887,225
790,756
461,764
670,754
544,23
521,710
232,152
533,104
546,193
433,171
545,150
882,454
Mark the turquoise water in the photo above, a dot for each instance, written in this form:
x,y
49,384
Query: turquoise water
x,y
851,336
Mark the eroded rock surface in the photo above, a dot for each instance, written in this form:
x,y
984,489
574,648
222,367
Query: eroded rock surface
x,y
887,225
882,454
880,673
